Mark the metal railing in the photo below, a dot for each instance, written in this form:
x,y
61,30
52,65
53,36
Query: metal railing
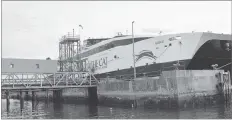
x,y
145,74
70,36
47,80
131,76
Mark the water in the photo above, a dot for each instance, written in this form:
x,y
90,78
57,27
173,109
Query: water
x,y
50,110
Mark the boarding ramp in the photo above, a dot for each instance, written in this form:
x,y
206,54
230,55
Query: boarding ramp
x,y
16,81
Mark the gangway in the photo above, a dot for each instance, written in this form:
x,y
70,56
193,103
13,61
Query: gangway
x,y
25,81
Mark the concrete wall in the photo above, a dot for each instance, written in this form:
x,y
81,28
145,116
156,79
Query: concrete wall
x,y
194,86
29,65
197,81
179,86
143,86
75,92
117,85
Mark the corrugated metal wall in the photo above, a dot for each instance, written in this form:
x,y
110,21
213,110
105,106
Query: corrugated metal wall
x,y
29,65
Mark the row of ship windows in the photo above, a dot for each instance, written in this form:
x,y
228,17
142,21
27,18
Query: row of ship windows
x,y
170,44
111,45
121,43
12,66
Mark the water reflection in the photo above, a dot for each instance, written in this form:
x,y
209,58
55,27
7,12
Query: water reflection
x,y
7,105
21,106
221,112
60,110
93,111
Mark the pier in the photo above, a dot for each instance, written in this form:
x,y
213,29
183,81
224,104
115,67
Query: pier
x,y
25,81
39,82
177,88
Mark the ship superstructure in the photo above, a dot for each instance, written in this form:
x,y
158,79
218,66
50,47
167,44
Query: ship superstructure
x,y
197,50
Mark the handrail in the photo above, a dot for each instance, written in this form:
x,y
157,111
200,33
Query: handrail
x,y
145,73
224,65
69,37
48,80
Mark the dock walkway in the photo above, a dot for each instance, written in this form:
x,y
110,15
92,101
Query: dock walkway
x,y
30,81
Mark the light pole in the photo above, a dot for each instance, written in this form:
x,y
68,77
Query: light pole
x,y
80,27
79,48
178,63
133,49
133,81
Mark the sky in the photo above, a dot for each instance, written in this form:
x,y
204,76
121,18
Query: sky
x,y
32,29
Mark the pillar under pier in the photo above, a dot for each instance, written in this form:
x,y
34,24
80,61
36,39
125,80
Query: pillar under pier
x,y
7,97
33,95
57,95
7,101
92,96
21,100
47,96
26,95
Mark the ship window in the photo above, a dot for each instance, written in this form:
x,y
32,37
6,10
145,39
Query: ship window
x,y
165,46
109,46
37,66
96,50
112,45
11,65
178,37
170,44
175,38
93,51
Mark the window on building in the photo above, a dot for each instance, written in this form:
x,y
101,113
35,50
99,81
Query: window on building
x,y
11,65
37,66
115,56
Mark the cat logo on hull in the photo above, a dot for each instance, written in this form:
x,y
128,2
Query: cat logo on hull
x,y
145,54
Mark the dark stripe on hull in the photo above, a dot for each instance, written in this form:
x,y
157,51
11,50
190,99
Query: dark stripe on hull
x,y
155,69
148,70
212,52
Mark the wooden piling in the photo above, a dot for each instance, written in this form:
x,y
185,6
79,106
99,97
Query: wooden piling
x,y
33,95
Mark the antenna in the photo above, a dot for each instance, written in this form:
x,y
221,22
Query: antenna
x,y
160,32
73,33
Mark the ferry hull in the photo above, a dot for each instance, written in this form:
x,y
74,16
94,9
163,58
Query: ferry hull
x,y
210,53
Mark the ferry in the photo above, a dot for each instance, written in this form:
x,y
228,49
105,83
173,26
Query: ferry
x,y
113,57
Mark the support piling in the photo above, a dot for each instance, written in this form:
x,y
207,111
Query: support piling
x,y
33,95
21,100
57,95
7,101
26,95
92,96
